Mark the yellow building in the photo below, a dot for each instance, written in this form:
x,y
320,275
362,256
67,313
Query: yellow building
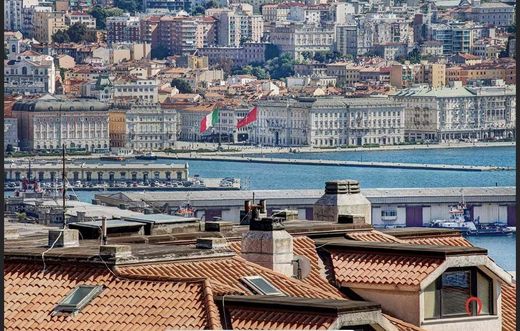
x,y
117,128
46,24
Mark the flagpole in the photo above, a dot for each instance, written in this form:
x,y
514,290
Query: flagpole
x,y
219,132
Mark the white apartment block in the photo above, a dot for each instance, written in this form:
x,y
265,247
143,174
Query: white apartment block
x,y
234,27
88,20
150,127
29,73
139,90
48,124
297,38
13,13
459,112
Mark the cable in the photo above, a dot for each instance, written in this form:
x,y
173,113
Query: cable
x,y
52,246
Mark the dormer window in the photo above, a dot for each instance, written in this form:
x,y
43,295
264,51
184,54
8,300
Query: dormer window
x,y
454,294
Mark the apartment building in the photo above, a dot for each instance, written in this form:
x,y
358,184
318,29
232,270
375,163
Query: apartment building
x,y
406,75
238,25
78,17
206,33
13,13
46,24
124,28
455,38
498,14
169,5
178,34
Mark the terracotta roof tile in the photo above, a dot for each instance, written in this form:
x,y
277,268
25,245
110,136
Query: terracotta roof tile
x,y
123,304
451,240
226,274
401,325
381,269
262,319
372,235
509,307
305,246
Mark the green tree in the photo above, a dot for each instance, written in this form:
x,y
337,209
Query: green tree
x,y
197,10
414,56
130,6
260,73
181,85
101,14
320,57
272,51
9,148
159,52
77,32
307,55
211,4
61,37
280,67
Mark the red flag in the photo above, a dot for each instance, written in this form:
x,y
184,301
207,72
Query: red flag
x,y
249,118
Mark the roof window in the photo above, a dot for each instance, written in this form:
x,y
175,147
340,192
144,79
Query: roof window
x,y
78,298
261,286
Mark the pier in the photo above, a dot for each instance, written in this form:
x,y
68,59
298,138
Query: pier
x,y
335,163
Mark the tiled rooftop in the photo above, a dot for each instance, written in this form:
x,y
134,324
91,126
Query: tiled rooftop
x,y
226,274
509,307
124,304
371,268
401,325
372,235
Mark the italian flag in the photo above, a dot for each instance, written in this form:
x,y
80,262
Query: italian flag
x,y
209,120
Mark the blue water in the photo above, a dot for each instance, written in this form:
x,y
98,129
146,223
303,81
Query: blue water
x,y
501,249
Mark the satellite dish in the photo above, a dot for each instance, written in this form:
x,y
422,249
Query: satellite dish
x,y
301,266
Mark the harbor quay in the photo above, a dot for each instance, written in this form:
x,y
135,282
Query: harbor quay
x,y
92,172
389,207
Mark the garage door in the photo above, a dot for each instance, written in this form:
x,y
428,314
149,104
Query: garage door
x,y
414,216
511,215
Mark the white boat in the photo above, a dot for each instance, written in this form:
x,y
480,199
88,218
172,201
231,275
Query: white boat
x,y
457,221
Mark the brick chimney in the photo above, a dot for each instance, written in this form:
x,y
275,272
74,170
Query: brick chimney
x,y
343,203
269,245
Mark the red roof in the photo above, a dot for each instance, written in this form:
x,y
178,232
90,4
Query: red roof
x,y
450,240
261,319
509,307
402,325
226,274
124,304
372,268
372,235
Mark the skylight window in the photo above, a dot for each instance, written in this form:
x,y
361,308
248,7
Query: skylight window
x,y
261,286
77,299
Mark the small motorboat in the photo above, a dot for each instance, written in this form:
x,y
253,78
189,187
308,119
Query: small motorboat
x,y
147,156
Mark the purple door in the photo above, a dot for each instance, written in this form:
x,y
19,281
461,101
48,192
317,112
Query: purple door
x,y
511,215
309,214
414,216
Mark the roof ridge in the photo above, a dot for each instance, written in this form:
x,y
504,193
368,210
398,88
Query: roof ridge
x,y
212,314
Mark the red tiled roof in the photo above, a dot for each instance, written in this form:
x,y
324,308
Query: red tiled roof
x,y
124,304
509,307
451,240
261,319
305,246
401,325
372,235
371,268
227,273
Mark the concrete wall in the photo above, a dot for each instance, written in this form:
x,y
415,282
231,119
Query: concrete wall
x,y
407,308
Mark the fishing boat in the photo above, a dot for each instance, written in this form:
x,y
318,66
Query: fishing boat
x,y
185,210
147,156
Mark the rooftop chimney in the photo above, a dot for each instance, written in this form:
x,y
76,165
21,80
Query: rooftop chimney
x,y
63,238
269,245
343,203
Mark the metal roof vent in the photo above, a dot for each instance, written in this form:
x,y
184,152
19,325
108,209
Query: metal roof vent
x,y
348,186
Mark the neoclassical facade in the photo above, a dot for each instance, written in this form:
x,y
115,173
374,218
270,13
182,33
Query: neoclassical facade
x,y
150,127
47,124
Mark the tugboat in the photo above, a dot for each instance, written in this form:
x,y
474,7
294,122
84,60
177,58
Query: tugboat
x,y
457,221
112,157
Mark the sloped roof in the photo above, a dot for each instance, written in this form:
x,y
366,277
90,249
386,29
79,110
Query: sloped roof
x,y
372,268
261,319
508,307
305,246
371,235
228,272
124,304
448,240
401,325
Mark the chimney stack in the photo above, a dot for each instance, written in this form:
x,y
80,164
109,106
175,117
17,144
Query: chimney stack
x,y
269,245
343,203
